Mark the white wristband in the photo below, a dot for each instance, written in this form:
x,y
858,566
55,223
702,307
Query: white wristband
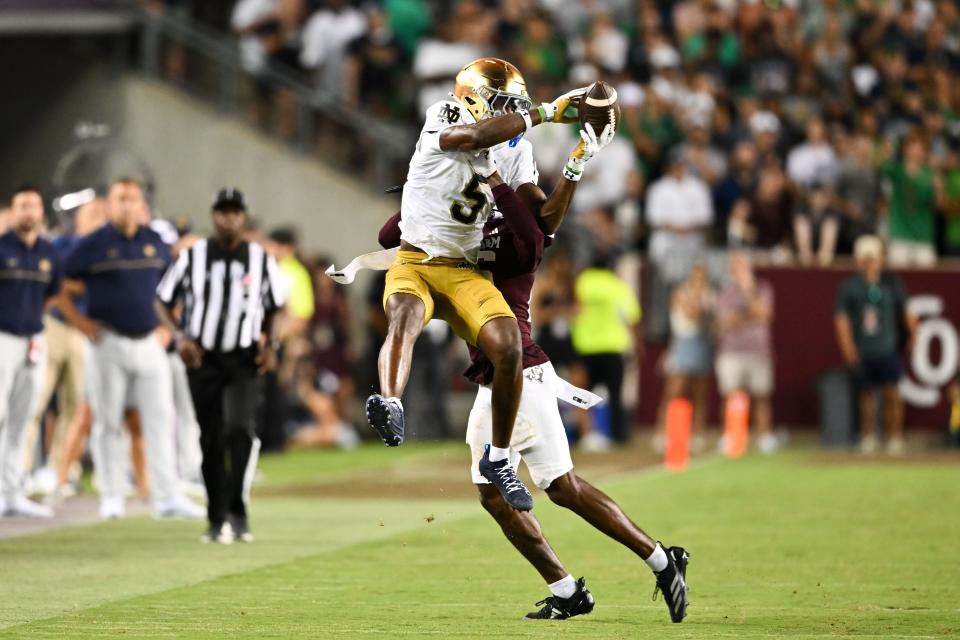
x,y
547,111
527,121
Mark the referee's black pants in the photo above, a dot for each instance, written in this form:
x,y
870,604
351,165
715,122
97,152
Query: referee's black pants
x,y
607,369
226,392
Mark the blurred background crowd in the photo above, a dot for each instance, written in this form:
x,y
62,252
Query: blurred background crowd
x,y
808,122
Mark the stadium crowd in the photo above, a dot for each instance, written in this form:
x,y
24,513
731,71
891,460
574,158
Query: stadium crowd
x,y
789,127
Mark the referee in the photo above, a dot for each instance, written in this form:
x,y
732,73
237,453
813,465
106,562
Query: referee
x,y
230,290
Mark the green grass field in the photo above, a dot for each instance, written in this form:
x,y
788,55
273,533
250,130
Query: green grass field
x,y
378,544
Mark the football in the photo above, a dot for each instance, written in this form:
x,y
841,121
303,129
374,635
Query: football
x,y
599,106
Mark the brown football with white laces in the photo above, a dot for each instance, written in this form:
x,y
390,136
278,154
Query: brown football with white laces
x,y
600,107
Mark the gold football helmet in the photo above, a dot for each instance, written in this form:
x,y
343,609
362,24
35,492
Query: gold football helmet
x,y
491,87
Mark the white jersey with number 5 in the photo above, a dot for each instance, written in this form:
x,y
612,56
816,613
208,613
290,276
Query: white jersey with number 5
x,y
444,205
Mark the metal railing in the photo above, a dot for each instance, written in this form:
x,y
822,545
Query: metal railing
x,y
215,74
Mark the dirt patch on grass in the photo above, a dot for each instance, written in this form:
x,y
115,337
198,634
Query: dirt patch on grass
x,y
448,477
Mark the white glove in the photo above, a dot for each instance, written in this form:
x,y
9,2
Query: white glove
x,y
588,147
483,164
553,111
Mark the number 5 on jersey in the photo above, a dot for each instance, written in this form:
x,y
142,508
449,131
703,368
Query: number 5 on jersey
x,y
475,200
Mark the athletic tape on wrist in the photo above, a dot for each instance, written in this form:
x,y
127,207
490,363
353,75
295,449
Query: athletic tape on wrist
x,y
573,170
527,120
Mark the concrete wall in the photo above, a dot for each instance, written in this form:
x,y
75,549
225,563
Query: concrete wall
x,y
194,150
191,149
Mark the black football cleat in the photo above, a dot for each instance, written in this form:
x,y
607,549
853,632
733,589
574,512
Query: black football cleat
x,y
672,582
556,608
385,415
504,478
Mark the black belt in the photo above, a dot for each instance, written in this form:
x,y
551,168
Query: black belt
x,y
129,334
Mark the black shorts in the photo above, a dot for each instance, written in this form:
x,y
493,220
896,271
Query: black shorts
x,y
879,372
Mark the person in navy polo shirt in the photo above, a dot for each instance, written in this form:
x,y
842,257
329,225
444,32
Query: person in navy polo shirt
x,y
119,266
29,275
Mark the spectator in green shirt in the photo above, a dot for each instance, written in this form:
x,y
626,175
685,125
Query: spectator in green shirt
x,y
605,329
951,201
914,189
542,54
872,322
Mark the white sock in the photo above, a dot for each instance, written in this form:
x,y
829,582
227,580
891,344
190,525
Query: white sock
x,y
497,454
565,587
657,560
397,400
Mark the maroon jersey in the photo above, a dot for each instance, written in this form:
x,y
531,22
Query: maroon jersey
x,y
511,250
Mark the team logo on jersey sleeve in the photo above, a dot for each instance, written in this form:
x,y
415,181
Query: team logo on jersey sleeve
x,y
449,114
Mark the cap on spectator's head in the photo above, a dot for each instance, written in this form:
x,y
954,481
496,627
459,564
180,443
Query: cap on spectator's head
x,y
867,247
229,198
764,121
284,236
664,57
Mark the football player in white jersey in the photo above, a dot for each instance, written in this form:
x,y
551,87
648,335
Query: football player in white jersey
x,y
444,207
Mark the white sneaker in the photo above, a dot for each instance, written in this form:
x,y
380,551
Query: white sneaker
x,y
347,437
179,507
25,507
896,447
112,508
722,445
698,445
658,443
768,443
595,441
869,445
44,481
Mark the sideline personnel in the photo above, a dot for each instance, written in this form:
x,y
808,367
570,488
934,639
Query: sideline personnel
x,y
120,265
231,290
29,276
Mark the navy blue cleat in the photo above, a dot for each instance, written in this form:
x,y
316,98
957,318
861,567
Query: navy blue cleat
x,y
504,478
385,415
557,608
672,582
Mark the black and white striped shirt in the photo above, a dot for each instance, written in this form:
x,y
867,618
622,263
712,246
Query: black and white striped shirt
x,y
225,295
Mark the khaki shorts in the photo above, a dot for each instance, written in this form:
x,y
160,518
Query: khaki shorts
x,y
750,372
450,289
